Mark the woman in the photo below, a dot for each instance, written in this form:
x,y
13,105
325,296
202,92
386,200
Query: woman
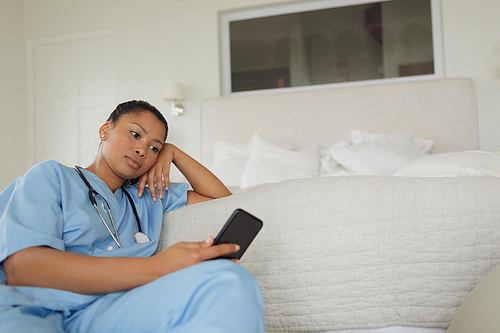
x,y
76,244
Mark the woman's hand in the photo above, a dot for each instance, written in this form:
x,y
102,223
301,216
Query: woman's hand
x,y
206,186
159,175
185,254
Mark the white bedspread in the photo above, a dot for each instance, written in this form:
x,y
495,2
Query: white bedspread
x,y
360,252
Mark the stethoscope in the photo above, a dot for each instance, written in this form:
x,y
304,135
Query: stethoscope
x,y
95,198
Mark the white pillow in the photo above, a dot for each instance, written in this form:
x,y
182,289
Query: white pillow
x,y
382,156
453,164
271,163
230,159
358,136
329,166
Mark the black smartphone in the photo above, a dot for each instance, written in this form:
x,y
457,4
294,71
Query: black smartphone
x,y
241,228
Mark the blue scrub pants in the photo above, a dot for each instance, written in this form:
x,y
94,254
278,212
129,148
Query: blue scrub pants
x,y
214,296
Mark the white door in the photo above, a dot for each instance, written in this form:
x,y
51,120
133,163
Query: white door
x,y
72,95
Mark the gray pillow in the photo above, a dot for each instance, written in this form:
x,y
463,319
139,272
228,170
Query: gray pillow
x,y
480,312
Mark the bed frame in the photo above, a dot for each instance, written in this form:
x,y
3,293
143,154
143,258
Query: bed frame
x,y
442,110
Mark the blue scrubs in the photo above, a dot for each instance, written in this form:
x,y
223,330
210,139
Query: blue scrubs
x,y
49,206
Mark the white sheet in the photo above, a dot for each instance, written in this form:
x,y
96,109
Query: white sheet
x,y
395,329
360,252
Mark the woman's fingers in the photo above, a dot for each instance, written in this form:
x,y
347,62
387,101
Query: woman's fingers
x,y
220,250
209,241
142,184
158,177
162,179
155,178
151,183
207,250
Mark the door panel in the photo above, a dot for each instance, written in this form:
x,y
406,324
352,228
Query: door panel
x,y
73,95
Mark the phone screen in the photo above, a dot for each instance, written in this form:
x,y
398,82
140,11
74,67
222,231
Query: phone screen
x,y
241,229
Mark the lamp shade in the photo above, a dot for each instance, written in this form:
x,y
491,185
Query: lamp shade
x,y
174,91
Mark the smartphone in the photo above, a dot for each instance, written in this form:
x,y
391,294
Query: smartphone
x,y
241,228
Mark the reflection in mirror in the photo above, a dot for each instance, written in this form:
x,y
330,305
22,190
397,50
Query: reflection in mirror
x,y
368,41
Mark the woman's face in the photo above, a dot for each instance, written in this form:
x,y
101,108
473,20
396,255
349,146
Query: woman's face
x,y
131,145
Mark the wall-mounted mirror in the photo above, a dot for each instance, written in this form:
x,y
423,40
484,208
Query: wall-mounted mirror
x,y
309,44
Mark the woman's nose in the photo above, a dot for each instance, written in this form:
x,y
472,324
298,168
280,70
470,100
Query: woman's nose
x,y
140,151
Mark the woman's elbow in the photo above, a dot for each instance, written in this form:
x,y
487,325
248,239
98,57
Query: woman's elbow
x,y
194,197
20,266
12,269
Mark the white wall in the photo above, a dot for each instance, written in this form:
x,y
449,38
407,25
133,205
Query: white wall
x,y
12,93
471,34
156,41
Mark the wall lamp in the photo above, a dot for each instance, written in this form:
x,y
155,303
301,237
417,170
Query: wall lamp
x,y
174,91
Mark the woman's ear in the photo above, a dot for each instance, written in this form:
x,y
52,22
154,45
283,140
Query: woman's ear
x,y
103,130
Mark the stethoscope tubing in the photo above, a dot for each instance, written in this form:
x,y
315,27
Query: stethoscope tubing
x,y
117,238
139,237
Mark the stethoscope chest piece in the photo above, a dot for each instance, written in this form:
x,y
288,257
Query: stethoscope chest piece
x,y
141,238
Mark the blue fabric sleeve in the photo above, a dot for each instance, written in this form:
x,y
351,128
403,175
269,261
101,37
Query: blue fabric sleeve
x,y
175,197
30,212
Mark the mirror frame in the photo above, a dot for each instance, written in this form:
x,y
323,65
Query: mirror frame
x,y
226,17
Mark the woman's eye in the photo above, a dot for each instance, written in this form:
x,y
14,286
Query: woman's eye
x,y
153,148
135,134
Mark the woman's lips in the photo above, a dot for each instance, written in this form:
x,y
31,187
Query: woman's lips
x,y
134,163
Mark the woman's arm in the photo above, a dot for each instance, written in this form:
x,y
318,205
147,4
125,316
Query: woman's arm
x,y
205,184
50,268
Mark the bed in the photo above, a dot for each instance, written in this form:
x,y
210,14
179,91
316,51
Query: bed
x,y
349,247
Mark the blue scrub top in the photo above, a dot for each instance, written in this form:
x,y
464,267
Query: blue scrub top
x,y
50,206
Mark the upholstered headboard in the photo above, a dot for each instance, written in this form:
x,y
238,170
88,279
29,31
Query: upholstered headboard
x,y
442,110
